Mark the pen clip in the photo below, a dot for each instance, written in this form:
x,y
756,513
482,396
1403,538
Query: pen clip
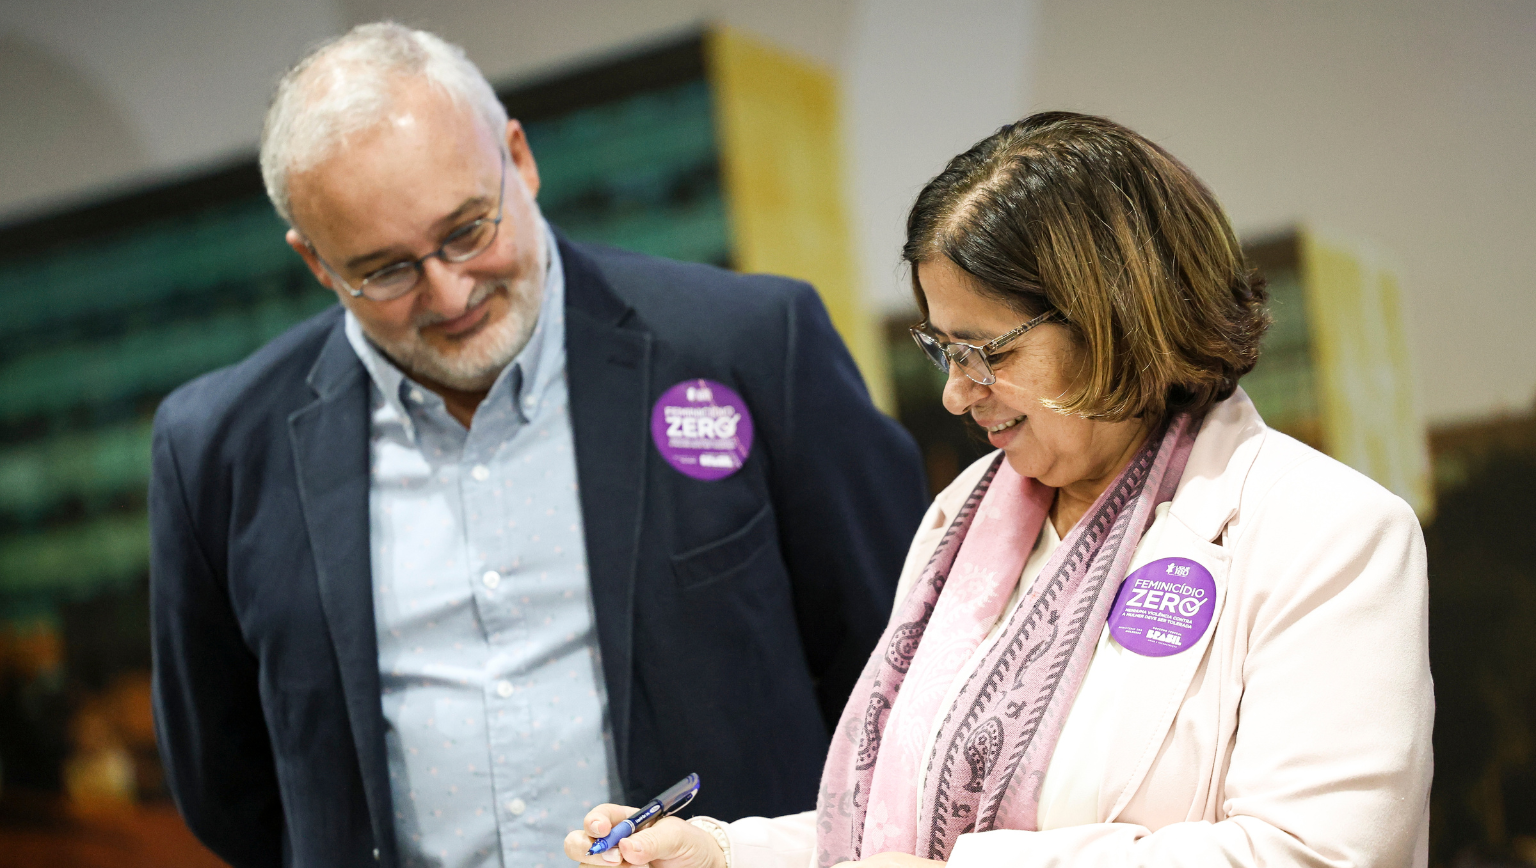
x,y
667,812
692,794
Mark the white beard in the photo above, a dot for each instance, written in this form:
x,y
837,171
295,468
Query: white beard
x,y
481,359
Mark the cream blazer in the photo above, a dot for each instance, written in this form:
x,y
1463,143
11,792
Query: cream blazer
x,y
1295,732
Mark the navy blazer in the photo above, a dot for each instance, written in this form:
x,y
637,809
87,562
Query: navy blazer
x,y
733,616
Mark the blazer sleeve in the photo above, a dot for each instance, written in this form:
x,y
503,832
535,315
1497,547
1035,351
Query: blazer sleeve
x,y
850,493
208,714
1331,760
772,842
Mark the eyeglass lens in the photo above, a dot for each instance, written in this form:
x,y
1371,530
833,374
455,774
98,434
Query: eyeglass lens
x,y
973,363
400,278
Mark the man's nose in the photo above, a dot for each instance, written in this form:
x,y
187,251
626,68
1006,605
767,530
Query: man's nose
x,y
448,287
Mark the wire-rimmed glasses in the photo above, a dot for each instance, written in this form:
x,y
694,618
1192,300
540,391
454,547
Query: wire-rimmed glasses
x,y
972,359
461,245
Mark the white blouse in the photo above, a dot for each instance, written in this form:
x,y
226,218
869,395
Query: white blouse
x,y
1069,795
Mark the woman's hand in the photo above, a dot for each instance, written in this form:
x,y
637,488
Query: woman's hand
x,y
670,843
888,860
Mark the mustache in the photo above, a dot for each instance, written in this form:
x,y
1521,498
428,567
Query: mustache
x,y
479,294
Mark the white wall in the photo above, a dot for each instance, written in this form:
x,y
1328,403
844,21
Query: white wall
x,y
512,39
132,90
922,81
1409,125
182,84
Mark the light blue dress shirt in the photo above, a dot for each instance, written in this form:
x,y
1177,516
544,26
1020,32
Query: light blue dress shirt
x,y
493,696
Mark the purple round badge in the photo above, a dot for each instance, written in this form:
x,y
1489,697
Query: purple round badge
x,y
1164,607
702,428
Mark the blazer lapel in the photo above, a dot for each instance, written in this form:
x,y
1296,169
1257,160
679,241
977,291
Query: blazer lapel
x,y
330,439
610,387
1155,686
1189,526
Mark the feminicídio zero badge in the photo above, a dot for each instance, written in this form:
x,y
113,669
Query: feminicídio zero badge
x,y
702,428
1163,607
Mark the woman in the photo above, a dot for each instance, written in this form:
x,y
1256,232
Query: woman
x,y
1149,631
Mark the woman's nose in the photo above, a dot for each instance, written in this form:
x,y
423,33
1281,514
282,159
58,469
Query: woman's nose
x,y
961,392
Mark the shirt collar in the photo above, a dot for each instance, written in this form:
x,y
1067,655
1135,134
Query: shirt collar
x,y
542,361
539,364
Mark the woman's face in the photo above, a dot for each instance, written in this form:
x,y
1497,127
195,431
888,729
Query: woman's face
x,y
1059,450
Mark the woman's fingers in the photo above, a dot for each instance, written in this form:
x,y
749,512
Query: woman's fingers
x,y
661,841
576,845
598,822
601,819
672,843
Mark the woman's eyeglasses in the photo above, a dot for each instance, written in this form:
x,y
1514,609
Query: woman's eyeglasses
x,y
974,361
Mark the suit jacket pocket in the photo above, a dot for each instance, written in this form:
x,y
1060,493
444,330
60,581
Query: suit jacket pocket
x,y
729,555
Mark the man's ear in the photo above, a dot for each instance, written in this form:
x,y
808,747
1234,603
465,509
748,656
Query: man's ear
x,y
307,253
522,157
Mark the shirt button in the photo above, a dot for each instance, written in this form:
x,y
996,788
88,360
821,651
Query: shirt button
x,y
480,472
516,806
491,578
504,689
417,396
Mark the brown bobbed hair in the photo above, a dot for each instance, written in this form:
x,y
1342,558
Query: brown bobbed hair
x,y
1076,214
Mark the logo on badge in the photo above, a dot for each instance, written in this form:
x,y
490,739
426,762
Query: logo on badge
x,y
702,428
1163,607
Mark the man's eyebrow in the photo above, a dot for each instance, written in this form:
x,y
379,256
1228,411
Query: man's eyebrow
x,y
473,203
358,262
397,252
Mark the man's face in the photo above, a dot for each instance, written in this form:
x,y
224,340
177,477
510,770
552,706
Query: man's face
x,y
394,193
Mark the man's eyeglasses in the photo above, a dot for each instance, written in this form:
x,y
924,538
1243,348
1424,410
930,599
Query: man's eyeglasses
x,y
972,360
461,245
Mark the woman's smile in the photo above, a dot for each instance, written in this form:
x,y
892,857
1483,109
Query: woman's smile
x,y
1004,426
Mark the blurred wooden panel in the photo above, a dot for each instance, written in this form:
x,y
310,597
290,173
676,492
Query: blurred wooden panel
x,y
1335,371
147,836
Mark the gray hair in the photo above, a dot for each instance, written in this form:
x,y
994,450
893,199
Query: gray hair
x,y
346,85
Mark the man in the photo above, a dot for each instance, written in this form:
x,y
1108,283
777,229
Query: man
x,y
523,526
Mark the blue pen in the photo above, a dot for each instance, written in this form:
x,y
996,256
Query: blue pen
x,y
664,805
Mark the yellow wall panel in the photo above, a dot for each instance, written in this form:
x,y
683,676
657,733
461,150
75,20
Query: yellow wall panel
x,y
777,121
1370,413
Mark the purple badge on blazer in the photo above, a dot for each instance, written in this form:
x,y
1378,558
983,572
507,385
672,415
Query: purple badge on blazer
x,y
702,428
1163,607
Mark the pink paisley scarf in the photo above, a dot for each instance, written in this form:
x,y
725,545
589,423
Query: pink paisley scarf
x,y
996,740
